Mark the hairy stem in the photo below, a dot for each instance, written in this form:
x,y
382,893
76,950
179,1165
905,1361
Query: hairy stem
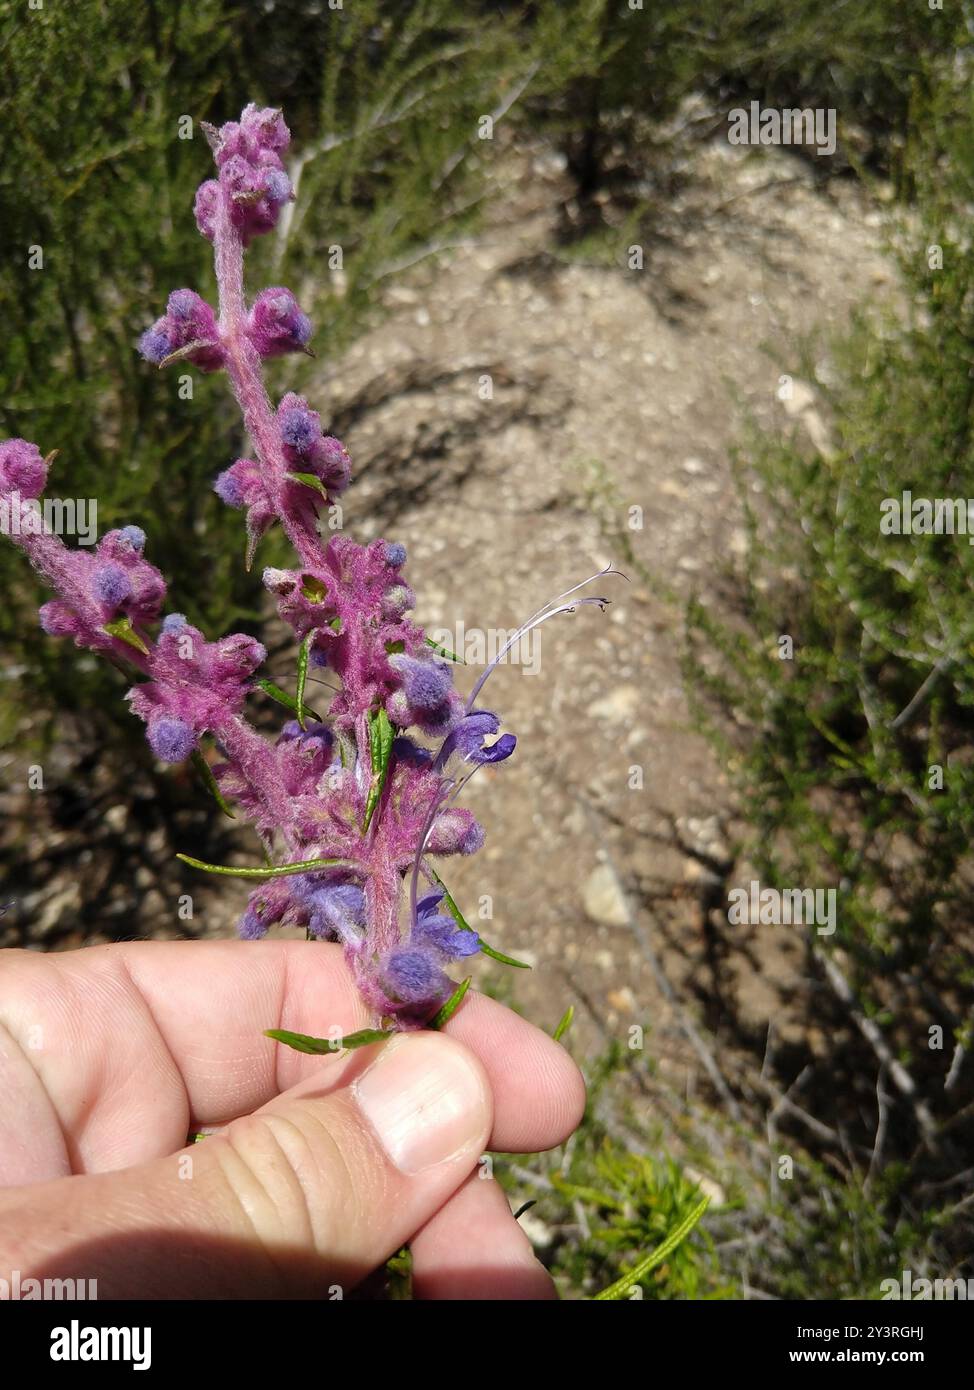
x,y
243,367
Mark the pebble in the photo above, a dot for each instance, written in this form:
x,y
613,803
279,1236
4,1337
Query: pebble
x,y
602,898
619,705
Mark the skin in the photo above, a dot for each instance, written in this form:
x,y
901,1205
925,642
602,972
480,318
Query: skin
x,y
110,1056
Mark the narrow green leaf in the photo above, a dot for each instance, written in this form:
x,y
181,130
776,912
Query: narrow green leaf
x,y
464,925
276,871
444,651
301,1042
443,1015
564,1024
675,1238
381,735
122,629
309,480
210,782
304,654
499,956
283,698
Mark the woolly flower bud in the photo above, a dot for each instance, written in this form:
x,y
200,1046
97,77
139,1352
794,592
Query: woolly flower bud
x,y
455,831
277,186
174,623
300,428
395,555
172,740
155,345
22,469
58,619
227,487
276,324
188,319
398,709
111,585
250,927
411,976
338,911
266,127
426,684
396,601
205,207
241,485
134,536
334,464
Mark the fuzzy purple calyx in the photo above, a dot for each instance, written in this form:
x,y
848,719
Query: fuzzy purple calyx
x,y
22,468
112,585
172,740
413,976
426,684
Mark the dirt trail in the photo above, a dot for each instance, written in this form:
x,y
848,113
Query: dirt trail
x,y
612,388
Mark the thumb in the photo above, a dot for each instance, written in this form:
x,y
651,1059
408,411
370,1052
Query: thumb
x,y
303,1198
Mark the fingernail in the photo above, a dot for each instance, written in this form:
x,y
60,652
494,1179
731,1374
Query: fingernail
x,y
426,1100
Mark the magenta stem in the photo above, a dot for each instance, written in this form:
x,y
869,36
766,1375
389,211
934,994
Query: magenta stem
x,y
243,367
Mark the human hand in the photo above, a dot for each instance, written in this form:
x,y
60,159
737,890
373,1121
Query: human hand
x,y
322,1167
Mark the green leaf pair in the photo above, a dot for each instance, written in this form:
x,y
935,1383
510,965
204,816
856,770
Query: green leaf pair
x,y
381,735
302,1042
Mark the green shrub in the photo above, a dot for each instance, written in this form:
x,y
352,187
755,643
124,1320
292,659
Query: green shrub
x,y
854,759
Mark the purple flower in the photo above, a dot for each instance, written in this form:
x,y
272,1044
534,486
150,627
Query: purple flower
x,y
134,536
112,585
412,976
338,913
188,319
438,932
276,324
205,208
155,345
171,740
468,740
22,469
426,684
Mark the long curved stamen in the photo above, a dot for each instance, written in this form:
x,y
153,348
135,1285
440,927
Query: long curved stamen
x,y
527,627
599,574
441,795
